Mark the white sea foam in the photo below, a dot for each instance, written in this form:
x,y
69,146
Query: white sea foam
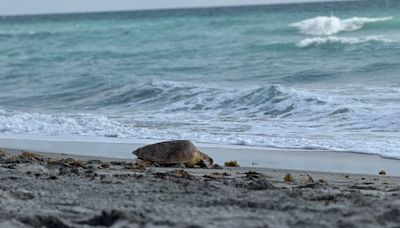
x,y
325,26
283,118
315,41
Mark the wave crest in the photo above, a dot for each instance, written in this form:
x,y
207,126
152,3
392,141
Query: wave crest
x,y
317,41
274,116
323,25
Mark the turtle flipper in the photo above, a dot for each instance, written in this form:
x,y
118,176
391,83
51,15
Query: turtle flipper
x,y
202,164
207,161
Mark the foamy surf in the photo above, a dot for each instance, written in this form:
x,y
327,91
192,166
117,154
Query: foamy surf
x,y
270,117
325,26
317,41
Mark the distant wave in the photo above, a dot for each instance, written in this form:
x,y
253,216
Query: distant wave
x,y
323,25
316,41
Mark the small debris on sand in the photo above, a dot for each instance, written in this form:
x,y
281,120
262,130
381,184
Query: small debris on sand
x,y
181,173
50,161
288,178
77,163
218,174
106,165
30,156
232,164
137,167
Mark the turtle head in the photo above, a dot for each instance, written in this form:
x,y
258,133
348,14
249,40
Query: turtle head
x,y
206,160
200,159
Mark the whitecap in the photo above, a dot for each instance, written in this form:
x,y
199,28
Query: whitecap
x,y
325,26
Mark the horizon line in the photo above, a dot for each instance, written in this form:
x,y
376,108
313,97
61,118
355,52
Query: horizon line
x,y
172,8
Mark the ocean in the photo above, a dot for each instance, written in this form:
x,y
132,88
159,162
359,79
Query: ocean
x,y
301,76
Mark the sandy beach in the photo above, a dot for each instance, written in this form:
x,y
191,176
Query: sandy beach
x,y
61,190
301,97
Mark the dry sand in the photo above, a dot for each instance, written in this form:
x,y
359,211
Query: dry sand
x,y
56,191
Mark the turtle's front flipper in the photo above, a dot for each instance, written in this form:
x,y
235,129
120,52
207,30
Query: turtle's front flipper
x,y
205,160
202,165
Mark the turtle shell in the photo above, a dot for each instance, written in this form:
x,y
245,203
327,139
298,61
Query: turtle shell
x,y
169,152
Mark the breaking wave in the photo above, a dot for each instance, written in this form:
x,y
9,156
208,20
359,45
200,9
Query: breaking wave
x,y
259,116
325,26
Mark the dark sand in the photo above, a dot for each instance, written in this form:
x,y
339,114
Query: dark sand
x,y
38,192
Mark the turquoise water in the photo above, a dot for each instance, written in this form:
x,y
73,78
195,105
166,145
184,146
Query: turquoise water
x,y
319,75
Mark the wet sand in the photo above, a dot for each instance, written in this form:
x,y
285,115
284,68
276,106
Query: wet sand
x,y
55,190
257,157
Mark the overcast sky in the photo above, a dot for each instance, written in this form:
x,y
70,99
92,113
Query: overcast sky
x,y
14,7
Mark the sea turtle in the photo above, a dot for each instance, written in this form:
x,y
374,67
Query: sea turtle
x,y
173,152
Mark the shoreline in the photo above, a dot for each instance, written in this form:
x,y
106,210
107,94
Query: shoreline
x,y
252,157
83,191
